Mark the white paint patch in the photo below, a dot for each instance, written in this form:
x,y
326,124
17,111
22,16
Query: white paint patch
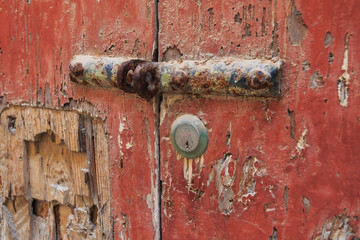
x,y
188,167
269,209
121,129
59,188
121,125
130,144
149,201
344,80
188,170
301,144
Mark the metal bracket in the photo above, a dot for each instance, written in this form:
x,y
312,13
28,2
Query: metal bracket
x,y
215,76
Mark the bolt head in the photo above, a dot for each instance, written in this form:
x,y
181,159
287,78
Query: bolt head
x,y
258,79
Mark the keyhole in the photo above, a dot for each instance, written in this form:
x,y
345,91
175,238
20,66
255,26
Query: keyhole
x,y
187,145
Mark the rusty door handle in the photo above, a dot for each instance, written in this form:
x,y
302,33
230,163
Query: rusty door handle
x,y
215,76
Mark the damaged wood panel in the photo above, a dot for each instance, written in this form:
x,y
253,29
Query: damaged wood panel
x,y
49,189
274,169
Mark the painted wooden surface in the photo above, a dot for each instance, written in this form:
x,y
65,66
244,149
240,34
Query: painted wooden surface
x,y
284,168
37,40
275,168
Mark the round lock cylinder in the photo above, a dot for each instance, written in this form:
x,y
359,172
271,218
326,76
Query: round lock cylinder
x,y
189,136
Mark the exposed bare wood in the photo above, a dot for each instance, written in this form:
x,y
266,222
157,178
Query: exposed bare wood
x,y
54,172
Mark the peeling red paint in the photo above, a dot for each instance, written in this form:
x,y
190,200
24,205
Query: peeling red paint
x,y
38,40
305,143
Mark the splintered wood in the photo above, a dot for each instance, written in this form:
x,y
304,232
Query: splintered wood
x,y
53,175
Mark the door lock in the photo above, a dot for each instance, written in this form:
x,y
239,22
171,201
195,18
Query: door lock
x,y
189,136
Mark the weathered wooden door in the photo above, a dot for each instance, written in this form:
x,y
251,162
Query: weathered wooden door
x,y
284,168
84,161
77,162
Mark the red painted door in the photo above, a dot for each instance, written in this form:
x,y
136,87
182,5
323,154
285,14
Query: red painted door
x,y
37,41
283,168
275,168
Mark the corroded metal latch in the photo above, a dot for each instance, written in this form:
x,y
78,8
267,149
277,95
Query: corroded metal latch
x,y
215,76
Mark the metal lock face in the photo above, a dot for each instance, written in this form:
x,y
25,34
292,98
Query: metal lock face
x,y
186,137
189,136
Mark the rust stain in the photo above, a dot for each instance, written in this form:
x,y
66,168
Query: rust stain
x,y
179,81
138,76
125,75
258,80
146,80
221,82
76,71
202,83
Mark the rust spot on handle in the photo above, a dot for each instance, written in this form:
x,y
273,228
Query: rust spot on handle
x,y
257,79
76,71
138,76
125,75
146,80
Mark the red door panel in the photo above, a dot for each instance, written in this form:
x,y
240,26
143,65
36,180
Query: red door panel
x,y
281,168
274,168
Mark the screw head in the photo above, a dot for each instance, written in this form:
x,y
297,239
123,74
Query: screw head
x,y
189,136
258,79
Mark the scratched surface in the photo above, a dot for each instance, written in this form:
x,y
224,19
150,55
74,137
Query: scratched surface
x,y
203,28
38,39
274,169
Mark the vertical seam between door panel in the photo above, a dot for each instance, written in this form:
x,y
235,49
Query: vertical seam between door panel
x,y
157,102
